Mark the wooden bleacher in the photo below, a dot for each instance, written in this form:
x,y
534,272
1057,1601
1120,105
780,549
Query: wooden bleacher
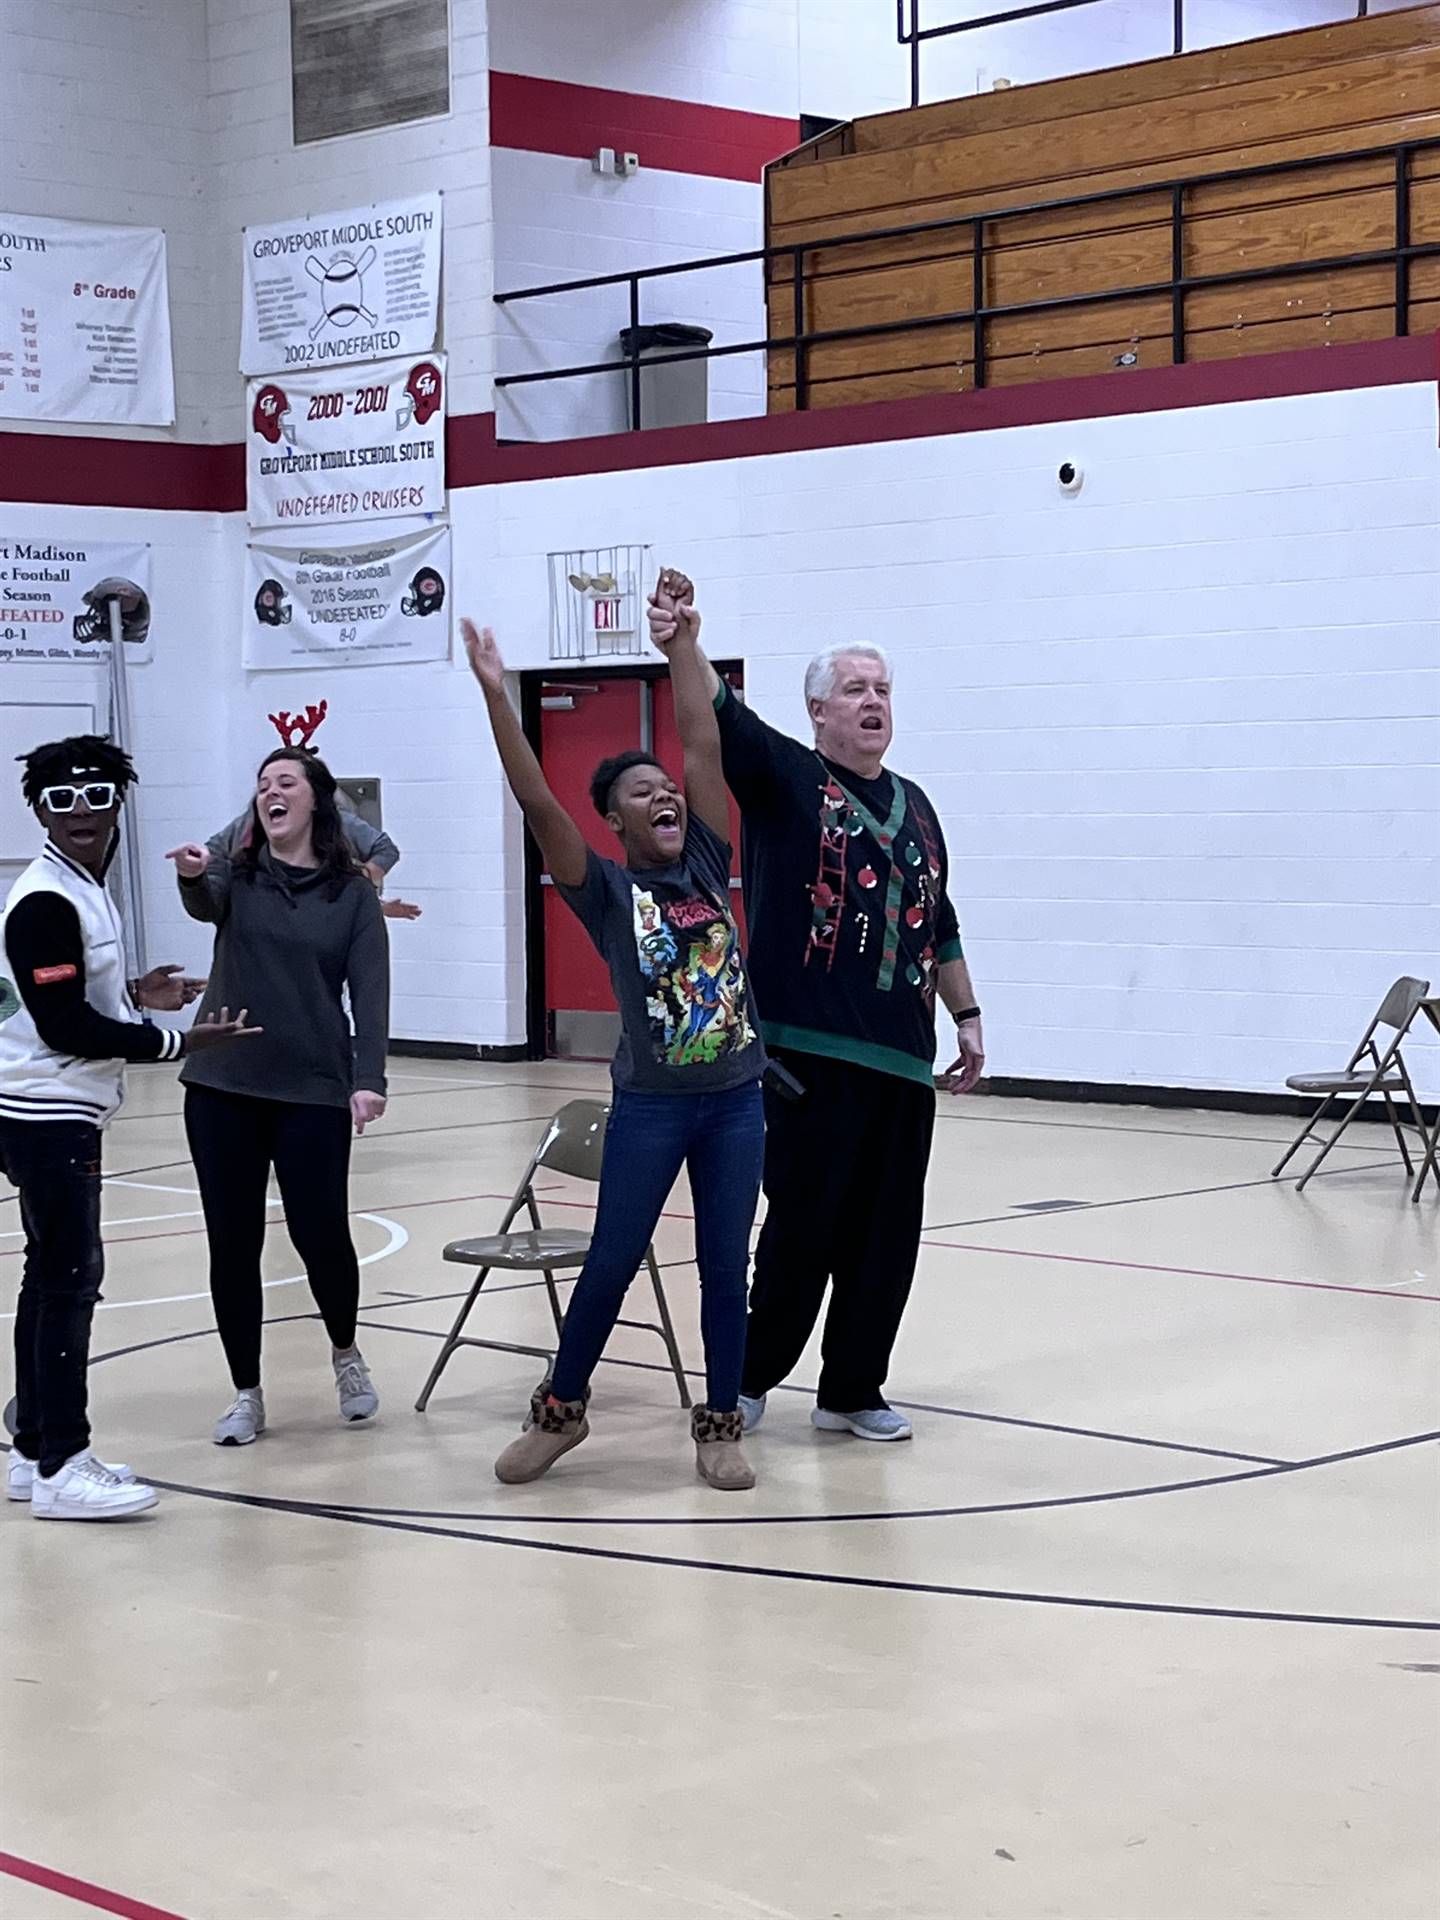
x,y
1324,93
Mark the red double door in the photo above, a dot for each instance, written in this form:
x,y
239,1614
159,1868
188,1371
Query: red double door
x,y
582,722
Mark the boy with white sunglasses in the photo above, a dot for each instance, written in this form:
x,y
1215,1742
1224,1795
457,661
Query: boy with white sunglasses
x,y
69,1022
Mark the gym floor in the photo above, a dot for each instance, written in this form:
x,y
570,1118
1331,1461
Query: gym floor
x,y
1141,1626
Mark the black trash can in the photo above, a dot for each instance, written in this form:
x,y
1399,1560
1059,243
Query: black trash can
x,y
676,394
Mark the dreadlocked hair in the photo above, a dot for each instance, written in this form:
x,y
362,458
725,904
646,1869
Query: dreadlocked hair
x,y
54,764
327,831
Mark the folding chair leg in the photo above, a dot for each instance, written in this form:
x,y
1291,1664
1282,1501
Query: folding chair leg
x,y
1399,1132
667,1331
557,1312
452,1341
1302,1182
1430,1164
1304,1134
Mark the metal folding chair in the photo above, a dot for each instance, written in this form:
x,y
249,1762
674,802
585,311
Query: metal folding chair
x,y
1373,1070
572,1143
1431,1161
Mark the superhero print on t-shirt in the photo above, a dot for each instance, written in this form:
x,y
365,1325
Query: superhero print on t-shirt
x,y
689,956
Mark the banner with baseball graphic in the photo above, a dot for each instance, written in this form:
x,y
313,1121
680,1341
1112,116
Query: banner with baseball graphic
x,y
55,600
338,287
384,603
357,443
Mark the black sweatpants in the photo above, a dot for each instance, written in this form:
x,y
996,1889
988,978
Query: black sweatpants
x,y
56,1166
235,1139
845,1190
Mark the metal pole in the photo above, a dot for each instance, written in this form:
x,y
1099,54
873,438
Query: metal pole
x,y
1178,26
977,302
802,370
131,894
634,355
1402,241
1177,276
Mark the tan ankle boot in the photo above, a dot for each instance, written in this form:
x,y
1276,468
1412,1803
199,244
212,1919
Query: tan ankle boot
x,y
719,1459
552,1428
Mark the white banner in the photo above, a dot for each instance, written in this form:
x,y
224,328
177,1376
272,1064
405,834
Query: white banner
x,y
54,600
380,604
364,443
358,285
84,323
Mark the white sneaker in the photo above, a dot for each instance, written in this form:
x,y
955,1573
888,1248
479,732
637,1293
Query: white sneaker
x,y
242,1421
83,1489
21,1474
356,1390
869,1423
752,1412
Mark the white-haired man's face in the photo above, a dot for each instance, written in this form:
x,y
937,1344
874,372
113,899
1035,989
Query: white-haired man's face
x,y
853,723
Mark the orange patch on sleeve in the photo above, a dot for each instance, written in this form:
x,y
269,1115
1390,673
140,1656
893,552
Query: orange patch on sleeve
x,y
50,976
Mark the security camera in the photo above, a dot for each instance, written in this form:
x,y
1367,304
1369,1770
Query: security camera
x,y
1070,476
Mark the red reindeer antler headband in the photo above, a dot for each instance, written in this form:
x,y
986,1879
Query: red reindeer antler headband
x,y
298,729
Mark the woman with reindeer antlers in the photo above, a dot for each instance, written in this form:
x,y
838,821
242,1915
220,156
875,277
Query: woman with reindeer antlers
x,y
298,921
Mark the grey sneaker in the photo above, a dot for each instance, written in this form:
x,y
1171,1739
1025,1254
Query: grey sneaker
x,y
358,1398
752,1412
242,1421
869,1423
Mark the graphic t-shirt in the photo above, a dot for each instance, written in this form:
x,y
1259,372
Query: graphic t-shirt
x,y
670,942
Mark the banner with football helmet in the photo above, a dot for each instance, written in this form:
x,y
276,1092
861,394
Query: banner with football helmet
x,y
55,599
332,288
355,443
384,603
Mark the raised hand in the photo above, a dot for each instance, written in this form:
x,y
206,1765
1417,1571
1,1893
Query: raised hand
x,y
217,1028
167,989
484,656
365,1108
671,610
191,860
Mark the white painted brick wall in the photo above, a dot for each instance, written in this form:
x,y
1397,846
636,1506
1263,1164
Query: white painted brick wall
x,y
1183,730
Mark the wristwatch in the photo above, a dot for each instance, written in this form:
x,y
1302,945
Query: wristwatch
x,y
965,1013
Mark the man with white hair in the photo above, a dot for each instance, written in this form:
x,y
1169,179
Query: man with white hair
x,y
852,937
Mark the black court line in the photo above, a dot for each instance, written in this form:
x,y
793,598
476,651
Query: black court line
x,y
1047,1505
653,1366
796,1574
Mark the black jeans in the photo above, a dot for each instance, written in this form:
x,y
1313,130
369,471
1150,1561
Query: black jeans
x,y
235,1139
845,1187
56,1166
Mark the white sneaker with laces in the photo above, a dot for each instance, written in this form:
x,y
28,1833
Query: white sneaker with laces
x,y
356,1390
242,1421
869,1423
83,1489
21,1474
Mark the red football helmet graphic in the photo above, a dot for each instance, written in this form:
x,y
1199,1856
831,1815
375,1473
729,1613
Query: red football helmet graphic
x,y
424,391
271,407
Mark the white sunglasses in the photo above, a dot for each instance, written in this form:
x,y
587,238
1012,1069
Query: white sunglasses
x,y
98,795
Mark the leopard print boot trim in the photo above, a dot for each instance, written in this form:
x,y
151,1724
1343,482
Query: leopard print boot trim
x,y
537,1405
707,1425
559,1416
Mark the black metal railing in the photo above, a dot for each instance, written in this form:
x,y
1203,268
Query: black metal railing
x,y
910,33
979,312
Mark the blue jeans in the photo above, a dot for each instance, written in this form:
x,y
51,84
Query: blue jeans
x,y
720,1139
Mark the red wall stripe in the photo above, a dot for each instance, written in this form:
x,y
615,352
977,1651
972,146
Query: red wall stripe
x,y
89,471
85,1891
672,136
82,471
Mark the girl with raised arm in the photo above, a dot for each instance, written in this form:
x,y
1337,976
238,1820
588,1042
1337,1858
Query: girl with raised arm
x,y
687,1071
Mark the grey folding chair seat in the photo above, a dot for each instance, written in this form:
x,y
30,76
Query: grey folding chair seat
x,y
573,1143
1376,1069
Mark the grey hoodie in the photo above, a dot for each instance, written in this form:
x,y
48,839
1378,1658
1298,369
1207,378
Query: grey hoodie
x,y
286,951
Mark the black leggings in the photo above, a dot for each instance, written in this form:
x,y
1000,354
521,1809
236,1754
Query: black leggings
x,y
235,1139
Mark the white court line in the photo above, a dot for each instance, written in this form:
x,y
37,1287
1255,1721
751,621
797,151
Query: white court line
x,y
133,1220
396,1239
